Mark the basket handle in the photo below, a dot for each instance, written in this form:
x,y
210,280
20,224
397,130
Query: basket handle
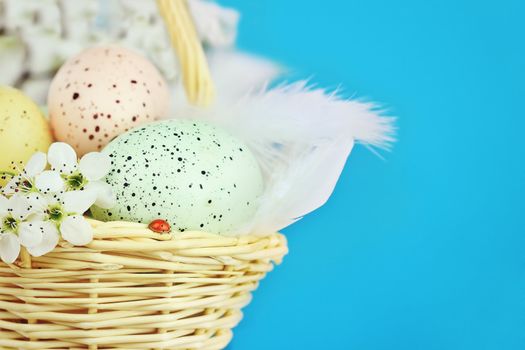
x,y
195,71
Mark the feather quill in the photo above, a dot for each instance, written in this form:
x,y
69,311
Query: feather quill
x,y
302,137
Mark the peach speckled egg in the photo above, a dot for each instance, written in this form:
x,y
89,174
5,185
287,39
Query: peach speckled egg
x,y
103,92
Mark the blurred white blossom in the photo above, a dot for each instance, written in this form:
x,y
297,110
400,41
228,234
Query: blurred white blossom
x,y
39,35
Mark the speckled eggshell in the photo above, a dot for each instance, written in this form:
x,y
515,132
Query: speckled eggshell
x,y
103,92
190,173
23,130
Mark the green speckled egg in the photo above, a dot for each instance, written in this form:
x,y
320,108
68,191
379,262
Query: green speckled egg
x,y
190,173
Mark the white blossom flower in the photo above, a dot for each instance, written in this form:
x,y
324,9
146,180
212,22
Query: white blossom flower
x,y
84,175
13,229
60,214
40,205
34,178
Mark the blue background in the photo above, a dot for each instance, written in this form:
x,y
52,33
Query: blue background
x,y
424,250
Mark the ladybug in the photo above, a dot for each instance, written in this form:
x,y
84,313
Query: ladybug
x,y
159,226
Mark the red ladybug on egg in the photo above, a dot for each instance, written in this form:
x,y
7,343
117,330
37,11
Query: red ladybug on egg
x,y
159,226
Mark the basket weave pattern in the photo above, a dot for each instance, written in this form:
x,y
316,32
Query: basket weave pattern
x,y
132,288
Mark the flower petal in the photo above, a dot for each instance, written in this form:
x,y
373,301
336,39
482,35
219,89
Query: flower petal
x,y
49,241
62,158
36,164
11,186
95,165
36,201
37,206
49,182
30,234
4,206
9,247
76,230
20,207
105,197
78,202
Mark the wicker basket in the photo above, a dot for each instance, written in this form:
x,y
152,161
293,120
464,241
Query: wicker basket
x,y
132,288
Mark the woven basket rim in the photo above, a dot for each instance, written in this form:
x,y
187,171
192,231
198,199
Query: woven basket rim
x,y
121,237
132,288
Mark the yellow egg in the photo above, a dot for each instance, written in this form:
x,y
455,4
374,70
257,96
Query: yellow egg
x,y
23,130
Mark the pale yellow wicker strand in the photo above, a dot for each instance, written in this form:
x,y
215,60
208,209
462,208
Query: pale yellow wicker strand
x,y
195,72
157,292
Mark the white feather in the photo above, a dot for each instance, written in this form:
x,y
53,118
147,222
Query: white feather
x,y
302,138
234,74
